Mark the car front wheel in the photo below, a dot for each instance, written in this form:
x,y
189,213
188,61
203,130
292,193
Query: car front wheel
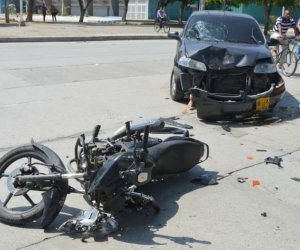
x,y
175,93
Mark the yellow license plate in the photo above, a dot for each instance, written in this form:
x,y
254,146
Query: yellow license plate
x,y
263,103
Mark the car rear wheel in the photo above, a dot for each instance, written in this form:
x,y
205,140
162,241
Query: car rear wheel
x,y
175,93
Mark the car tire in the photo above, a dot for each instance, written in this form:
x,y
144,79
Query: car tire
x,y
175,92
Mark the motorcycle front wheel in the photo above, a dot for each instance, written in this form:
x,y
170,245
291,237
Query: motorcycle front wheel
x,y
27,207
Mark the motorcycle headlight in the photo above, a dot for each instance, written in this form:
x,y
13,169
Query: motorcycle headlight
x,y
192,64
265,68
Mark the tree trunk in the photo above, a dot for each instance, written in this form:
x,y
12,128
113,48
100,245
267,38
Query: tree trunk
x,y
29,11
268,9
180,13
224,5
125,10
6,11
82,10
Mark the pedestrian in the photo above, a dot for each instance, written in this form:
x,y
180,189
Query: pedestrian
x,y
283,23
54,12
298,49
160,16
44,9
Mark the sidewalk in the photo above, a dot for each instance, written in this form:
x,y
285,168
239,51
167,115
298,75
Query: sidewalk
x,y
68,28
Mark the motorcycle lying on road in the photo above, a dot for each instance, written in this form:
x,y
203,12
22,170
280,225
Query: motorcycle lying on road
x,y
109,171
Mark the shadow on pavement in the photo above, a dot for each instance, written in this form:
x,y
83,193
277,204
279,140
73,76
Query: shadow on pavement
x,y
142,227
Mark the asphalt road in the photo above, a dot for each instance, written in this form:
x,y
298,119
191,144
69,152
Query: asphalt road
x,y
56,91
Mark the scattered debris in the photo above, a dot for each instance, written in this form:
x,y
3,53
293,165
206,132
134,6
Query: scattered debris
x,y
277,121
241,180
205,180
185,111
264,214
276,161
170,121
295,179
167,98
255,183
250,158
277,228
226,128
67,156
261,150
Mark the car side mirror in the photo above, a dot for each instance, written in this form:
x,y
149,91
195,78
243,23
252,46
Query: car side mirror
x,y
174,35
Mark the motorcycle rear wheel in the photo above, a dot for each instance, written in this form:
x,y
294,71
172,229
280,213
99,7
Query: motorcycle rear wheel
x,y
24,208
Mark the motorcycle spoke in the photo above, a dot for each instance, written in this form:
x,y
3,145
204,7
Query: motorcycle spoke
x,y
7,199
29,200
29,160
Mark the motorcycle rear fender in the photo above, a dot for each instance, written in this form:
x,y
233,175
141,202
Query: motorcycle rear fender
x,y
55,197
53,203
53,157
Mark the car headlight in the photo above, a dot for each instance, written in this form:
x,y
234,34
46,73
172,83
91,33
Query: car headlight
x,y
190,63
265,68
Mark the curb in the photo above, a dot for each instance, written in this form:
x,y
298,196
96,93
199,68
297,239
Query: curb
x,y
82,39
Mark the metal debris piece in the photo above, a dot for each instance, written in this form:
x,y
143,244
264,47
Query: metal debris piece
x,y
226,128
276,160
264,214
277,121
241,180
261,150
171,121
277,228
295,179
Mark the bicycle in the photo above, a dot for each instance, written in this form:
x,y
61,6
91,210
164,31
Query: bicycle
x,y
290,66
165,25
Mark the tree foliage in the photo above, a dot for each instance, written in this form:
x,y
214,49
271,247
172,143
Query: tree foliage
x,y
224,4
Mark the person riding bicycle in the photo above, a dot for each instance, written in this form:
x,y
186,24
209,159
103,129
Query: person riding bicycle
x,y
283,23
160,16
298,48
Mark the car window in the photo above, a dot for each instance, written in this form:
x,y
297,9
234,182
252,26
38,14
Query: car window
x,y
224,29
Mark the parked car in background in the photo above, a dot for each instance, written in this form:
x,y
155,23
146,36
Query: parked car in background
x,y
223,60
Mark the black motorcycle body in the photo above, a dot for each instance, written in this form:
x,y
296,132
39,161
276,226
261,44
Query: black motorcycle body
x,y
109,171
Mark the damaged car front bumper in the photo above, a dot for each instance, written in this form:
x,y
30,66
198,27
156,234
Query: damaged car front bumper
x,y
212,106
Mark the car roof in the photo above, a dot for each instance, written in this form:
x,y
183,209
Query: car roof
x,y
220,13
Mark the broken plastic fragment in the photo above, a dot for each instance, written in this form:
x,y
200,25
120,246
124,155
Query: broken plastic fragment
x,y
295,179
226,128
255,183
276,161
264,214
205,181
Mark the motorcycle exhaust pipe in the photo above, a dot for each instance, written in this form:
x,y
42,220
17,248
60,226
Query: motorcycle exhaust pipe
x,y
49,177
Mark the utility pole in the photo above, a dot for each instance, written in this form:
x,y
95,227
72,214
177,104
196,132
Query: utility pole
x,y
201,4
6,12
21,21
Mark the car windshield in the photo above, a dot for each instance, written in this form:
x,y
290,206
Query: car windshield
x,y
222,28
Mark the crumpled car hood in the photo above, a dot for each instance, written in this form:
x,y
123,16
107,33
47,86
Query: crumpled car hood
x,y
225,55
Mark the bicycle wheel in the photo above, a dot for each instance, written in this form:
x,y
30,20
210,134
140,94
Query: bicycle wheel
x,y
156,26
166,27
289,68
